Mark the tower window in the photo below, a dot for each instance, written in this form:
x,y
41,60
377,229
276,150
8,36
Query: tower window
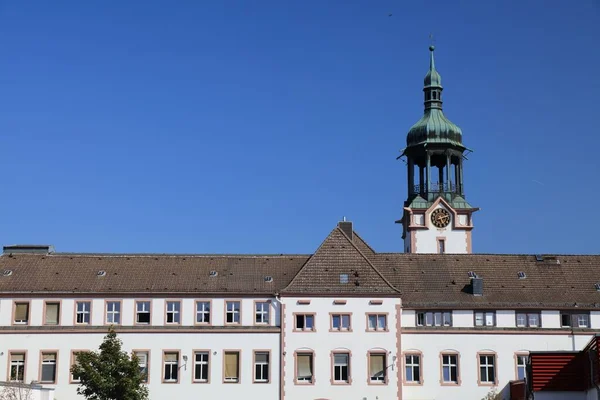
x,y
441,246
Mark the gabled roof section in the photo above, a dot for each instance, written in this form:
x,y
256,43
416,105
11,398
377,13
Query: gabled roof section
x,y
339,267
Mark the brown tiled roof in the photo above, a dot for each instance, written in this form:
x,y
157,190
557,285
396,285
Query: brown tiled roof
x,y
434,280
73,273
336,256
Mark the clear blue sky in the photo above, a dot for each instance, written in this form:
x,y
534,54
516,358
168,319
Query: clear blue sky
x,y
254,126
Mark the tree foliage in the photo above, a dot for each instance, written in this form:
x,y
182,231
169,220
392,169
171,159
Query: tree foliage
x,y
16,391
109,374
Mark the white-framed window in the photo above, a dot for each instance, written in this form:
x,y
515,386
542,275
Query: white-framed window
x,y
528,319
74,361
341,367
113,312
377,367
340,322
434,318
485,318
521,366
450,368
142,312
201,365
171,367
377,322
487,368
575,320
21,313
203,312
233,312
232,367
83,312
17,367
52,313
412,367
305,322
261,312
143,360
441,246
48,368
304,367
261,366
173,312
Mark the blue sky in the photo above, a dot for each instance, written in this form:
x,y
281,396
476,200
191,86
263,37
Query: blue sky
x,y
254,126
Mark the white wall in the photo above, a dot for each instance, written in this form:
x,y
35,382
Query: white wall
x,y
426,240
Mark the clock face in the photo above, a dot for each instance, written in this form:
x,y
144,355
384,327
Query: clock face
x,y
440,218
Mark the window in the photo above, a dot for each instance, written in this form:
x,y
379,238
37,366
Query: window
x,y
377,322
82,312
304,367
434,318
17,367
344,278
485,318
113,312
521,366
201,366
450,368
232,367
579,320
377,367
143,359
173,312
341,368
305,322
261,312
412,366
203,312
74,377
48,368
261,366
487,368
21,313
52,314
233,312
340,322
142,312
171,367
441,246
529,319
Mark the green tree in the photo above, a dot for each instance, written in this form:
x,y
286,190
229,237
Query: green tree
x,y
109,374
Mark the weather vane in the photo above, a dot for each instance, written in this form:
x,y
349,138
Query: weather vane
x,y
431,39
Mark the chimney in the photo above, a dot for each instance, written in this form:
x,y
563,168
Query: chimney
x,y
477,286
346,227
28,249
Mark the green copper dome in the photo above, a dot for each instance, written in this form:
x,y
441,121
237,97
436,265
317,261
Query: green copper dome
x,y
434,127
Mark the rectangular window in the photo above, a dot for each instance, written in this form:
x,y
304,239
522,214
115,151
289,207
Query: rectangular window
x,y
52,314
578,320
305,322
232,367
304,367
48,368
521,366
441,246
529,319
261,366
233,312
201,366
74,361
173,312
17,367
142,312
261,313
485,318
377,367
487,368
434,318
340,322
341,368
21,313
377,322
113,312
450,368
171,367
412,366
143,360
203,312
83,312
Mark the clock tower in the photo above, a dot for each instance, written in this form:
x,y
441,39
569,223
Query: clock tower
x,y
436,218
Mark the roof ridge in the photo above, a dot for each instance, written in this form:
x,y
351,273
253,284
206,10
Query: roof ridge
x,y
166,255
364,241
